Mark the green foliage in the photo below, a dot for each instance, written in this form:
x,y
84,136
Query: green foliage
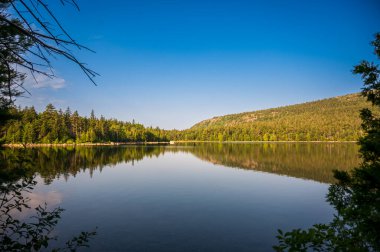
x,y
52,126
311,121
20,37
33,235
13,43
356,195
30,34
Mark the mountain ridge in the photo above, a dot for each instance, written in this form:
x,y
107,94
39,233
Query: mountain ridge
x,y
251,117
331,119
273,108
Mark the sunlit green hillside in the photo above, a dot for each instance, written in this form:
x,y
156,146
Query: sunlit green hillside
x,y
333,119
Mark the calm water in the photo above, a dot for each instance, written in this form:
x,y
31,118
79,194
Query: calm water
x,y
203,197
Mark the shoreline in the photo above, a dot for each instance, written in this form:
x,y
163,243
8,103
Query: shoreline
x,y
194,141
32,145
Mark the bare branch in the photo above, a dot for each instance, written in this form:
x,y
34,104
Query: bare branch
x,y
19,38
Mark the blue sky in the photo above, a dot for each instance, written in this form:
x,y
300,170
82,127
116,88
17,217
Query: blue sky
x,y
174,63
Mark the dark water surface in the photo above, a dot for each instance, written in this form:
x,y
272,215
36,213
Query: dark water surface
x,y
195,197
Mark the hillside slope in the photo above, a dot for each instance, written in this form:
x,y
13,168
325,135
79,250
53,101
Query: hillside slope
x,y
332,119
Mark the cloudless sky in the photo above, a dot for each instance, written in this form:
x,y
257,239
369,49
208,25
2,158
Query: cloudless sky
x,y
174,63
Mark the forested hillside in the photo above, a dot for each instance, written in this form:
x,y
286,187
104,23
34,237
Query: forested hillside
x,y
333,119
52,126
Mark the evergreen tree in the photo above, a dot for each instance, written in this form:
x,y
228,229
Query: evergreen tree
x,y
356,195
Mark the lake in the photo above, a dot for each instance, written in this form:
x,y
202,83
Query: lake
x,y
190,197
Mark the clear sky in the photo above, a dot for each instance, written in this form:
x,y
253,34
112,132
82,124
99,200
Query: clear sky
x,y
174,63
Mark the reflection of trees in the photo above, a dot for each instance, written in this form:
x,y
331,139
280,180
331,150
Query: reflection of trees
x,y
356,194
301,160
17,232
310,161
51,163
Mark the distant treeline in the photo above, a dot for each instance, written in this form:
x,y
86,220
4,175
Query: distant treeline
x,y
52,126
333,119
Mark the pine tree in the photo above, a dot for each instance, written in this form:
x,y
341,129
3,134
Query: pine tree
x,y
356,195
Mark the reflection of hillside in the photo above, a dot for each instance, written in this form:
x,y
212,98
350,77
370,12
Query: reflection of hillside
x,y
309,161
301,160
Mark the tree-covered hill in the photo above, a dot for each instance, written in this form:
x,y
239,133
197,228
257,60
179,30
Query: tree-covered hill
x,y
332,119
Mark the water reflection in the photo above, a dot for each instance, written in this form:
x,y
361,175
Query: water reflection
x,y
314,161
52,199
301,160
172,198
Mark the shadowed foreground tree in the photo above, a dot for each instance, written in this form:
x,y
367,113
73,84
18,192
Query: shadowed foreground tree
x,y
356,195
30,36
37,231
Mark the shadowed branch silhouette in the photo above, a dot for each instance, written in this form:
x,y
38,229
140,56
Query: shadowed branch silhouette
x,y
356,195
